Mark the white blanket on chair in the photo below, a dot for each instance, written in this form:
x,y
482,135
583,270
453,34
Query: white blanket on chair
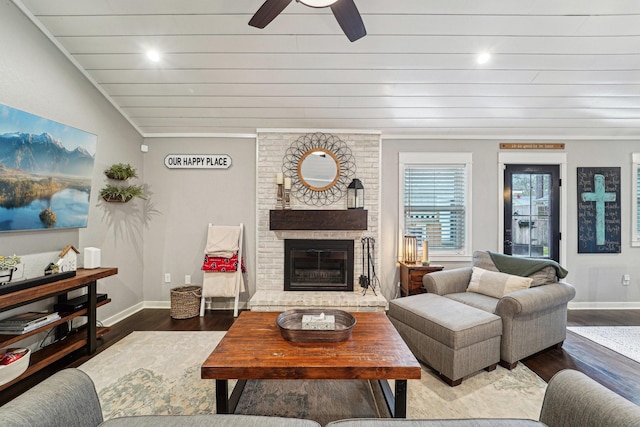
x,y
222,240
218,284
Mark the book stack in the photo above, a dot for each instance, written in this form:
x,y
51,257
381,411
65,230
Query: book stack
x,y
26,322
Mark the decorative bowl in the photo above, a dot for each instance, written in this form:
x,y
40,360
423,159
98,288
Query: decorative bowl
x,y
290,324
13,370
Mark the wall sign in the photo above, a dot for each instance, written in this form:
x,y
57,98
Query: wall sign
x,y
532,146
197,161
599,221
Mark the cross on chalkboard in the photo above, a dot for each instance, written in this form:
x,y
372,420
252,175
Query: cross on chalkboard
x,y
600,196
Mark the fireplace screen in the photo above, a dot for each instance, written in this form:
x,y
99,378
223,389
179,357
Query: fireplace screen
x,y
318,265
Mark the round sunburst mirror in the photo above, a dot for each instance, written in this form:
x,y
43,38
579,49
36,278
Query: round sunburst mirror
x,y
320,167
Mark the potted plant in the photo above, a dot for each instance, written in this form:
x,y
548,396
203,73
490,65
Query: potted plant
x,y
121,172
122,193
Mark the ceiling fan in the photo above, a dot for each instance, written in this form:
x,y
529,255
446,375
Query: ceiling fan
x,y
345,11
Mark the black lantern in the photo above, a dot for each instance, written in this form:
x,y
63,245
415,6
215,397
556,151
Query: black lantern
x,y
355,195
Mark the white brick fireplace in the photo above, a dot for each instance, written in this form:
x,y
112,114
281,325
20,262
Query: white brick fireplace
x,y
270,294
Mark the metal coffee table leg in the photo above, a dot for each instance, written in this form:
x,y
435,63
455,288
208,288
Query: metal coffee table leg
x,y
224,403
397,404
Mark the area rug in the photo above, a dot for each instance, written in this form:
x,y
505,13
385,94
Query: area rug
x,y
159,373
624,340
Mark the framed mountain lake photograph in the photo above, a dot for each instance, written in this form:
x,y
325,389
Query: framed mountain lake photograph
x,y
45,172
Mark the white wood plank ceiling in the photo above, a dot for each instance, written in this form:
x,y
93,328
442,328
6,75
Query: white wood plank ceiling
x,y
559,68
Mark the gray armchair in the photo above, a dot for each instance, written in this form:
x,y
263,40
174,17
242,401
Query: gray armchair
x,y
533,319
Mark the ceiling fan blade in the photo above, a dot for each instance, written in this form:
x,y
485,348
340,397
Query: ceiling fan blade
x,y
349,18
268,12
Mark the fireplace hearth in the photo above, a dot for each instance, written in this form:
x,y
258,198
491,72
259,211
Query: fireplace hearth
x,y
318,265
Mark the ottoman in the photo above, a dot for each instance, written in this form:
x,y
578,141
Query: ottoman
x,y
454,339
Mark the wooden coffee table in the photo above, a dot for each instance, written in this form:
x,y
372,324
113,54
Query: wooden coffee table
x,y
253,348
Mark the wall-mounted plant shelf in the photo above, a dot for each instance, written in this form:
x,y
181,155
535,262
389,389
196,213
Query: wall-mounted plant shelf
x,y
347,219
121,172
120,193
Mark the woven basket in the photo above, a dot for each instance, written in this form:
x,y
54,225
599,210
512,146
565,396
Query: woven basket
x,y
185,302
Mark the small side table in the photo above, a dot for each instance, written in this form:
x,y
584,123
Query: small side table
x,y
411,277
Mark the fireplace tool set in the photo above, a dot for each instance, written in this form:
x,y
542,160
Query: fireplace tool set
x,y
368,252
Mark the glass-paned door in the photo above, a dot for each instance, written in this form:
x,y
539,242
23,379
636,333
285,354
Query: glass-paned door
x,y
532,211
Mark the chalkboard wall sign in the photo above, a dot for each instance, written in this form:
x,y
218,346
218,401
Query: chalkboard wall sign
x,y
599,222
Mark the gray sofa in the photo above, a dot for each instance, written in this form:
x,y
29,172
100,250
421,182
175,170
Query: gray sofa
x,y
571,400
533,319
69,399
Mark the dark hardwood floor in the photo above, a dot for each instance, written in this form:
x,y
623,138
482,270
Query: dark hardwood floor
x,y
611,369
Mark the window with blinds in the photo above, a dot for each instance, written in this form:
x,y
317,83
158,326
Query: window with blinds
x,y
436,205
635,229
638,202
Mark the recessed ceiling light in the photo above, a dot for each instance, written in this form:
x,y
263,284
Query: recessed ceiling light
x,y
153,55
484,57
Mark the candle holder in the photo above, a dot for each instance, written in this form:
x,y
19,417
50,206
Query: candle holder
x,y
280,197
287,198
425,253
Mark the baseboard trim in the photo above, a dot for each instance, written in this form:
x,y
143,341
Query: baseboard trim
x,y
604,306
219,305
216,305
110,321
156,304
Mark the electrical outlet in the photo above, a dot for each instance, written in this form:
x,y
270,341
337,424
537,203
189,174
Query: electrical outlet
x,y
626,280
167,277
187,279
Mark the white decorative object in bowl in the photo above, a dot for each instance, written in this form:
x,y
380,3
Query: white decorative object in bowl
x,y
13,370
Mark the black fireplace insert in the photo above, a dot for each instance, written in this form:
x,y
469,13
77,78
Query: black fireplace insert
x,y
318,265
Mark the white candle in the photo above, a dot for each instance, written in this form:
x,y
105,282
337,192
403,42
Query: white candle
x,y
287,183
279,178
425,251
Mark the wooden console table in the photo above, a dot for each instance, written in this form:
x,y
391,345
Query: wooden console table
x,y
84,278
411,277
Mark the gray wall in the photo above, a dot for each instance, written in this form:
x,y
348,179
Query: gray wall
x,y
597,278
184,201
36,77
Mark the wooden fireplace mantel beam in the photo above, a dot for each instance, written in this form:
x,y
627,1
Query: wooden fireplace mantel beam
x,y
323,219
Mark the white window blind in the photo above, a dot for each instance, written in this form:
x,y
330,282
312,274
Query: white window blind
x,y
435,202
638,201
635,203
435,205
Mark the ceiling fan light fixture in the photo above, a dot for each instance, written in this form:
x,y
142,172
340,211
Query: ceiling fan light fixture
x,y
345,12
317,3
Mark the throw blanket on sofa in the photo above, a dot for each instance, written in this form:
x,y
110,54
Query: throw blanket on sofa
x,y
524,266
